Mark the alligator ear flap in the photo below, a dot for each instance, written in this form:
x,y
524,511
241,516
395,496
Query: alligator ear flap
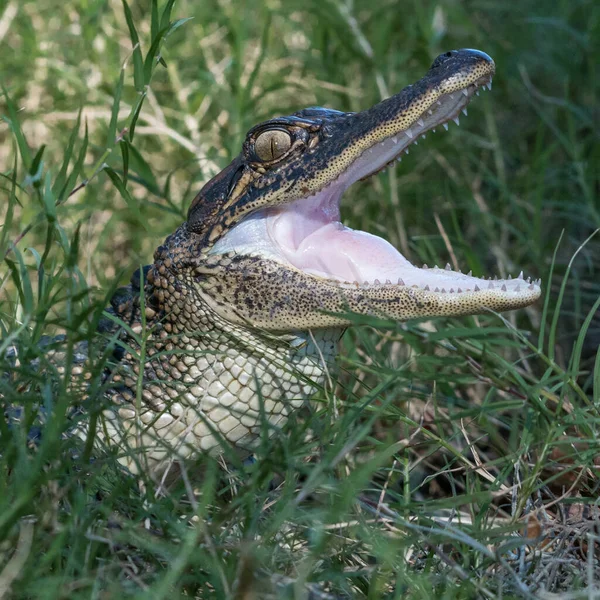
x,y
205,208
202,212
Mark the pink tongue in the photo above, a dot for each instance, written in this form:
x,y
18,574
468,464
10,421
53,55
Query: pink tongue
x,y
333,250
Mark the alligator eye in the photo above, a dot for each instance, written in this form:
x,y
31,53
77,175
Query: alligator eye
x,y
272,144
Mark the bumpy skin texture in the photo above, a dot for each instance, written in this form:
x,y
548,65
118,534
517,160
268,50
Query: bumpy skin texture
x,y
201,379
228,343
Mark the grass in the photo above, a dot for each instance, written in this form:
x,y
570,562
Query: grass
x,y
451,458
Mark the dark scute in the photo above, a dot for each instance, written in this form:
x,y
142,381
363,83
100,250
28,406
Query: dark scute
x,y
121,296
139,276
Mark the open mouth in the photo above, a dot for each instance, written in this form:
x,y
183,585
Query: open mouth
x,y
308,234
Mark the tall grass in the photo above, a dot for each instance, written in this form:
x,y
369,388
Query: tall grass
x,y
450,458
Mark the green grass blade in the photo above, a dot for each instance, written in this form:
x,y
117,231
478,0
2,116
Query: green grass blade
x,y
59,184
135,115
15,126
124,145
139,165
544,316
114,114
596,379
77,169
34,176
10,208
165,18
132,204
138,63
553,327
154,22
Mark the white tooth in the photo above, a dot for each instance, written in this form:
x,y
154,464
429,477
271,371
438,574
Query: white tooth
x,y
489,85
470,273
443,290
445,126
456,121
421,122
465,93
406,151
476,288
399,159
520,275
464,112
400,282
531,287
459,290
433,130
509,277
448,267
426,288
503,288
416,143
429,111
439,103
409,133
451,96
529,280
436,289
388,282
395,139
425,266
477,92
377,282
423,136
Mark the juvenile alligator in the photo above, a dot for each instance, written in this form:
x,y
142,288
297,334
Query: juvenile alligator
x,y
253,290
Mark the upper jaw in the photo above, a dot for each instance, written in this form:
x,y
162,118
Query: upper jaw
x,y
447,107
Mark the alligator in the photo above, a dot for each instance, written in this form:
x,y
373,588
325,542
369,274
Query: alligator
x,y
234,324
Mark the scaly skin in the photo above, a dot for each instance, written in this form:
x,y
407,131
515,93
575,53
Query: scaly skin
x,y
234,322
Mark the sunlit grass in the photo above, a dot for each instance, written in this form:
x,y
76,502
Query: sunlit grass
x,y
448,458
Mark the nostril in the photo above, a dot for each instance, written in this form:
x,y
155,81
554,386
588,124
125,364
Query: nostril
x,y
442,58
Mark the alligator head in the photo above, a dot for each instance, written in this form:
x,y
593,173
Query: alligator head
x,y
248,298
265,235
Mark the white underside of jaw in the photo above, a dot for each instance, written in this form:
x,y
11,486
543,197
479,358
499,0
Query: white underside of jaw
x,y
308,234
